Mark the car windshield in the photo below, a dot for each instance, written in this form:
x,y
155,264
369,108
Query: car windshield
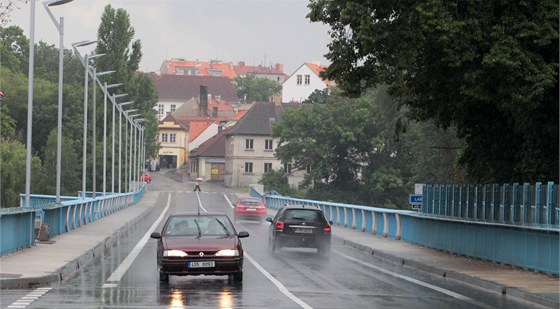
x,y
199,226
304,214
250,201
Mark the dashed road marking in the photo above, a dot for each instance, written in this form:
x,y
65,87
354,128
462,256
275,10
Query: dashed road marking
x,y
26,300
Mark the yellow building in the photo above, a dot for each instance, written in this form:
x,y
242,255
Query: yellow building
x,y
174,140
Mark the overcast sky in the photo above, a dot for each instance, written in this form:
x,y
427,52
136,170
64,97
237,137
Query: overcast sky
x,y
255,31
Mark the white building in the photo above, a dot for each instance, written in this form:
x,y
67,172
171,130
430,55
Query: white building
x,y
303,82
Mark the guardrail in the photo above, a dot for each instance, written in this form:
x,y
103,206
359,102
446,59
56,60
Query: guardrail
x,y
526,204
531,247
17,224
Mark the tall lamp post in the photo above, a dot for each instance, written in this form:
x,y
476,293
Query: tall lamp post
x,y
125,142
132,146
106,94
141,161
60,27
30,104
96,76
113,145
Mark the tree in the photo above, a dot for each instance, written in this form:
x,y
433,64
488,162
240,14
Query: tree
x,y
70,168
12,177
254,89
14,48
489,69
115,35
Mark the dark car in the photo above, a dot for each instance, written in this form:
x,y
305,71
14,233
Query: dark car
x,y
199,244
300,226
249,207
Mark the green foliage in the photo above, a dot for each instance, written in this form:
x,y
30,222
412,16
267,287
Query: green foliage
x,y
277,180
7,123
70,168
14,48
488,69
254,89
12,177
354,155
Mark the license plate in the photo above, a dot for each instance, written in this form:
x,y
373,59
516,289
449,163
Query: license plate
x,y
201,264
251,209
304,231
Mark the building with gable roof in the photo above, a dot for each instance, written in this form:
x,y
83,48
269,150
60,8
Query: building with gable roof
x,y
249,147
303,82
175,90
208,159
173,138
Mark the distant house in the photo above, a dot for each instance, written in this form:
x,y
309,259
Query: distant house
x,y
173,139
303,82
249,147
175,90
177,66
208,159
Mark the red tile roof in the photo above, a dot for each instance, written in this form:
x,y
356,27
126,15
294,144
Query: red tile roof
x,y
317,69
227,69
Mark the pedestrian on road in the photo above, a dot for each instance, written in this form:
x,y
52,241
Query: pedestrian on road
x,y
198,182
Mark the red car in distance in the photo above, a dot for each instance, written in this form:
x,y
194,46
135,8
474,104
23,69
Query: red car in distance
x,y
146,177
249,208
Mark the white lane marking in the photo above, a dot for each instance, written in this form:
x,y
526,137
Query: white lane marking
x,y
29,298
116,276
200,202
228,201
409,279
270,277
277,283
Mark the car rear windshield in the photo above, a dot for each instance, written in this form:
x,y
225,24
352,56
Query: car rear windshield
x,y
308,215
250,201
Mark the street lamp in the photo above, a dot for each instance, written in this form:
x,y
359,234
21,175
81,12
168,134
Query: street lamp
x,y
114,97
130,165
86,88
30,103
96,76
125,142
140,166
60,27
106,94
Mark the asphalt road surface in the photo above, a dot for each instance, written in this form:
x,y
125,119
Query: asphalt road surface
x,y
291,278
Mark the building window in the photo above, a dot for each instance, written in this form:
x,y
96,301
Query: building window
x,y
249,143
267,167
267,144
172,138
288,168
160,110
307,79
298,80
173,107
248,167
164,137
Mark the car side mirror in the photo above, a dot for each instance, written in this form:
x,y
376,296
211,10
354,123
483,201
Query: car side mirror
x,y
331,222
155,235
243,234
269,219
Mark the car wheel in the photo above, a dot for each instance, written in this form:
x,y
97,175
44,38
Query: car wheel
x,y
163,277
238,277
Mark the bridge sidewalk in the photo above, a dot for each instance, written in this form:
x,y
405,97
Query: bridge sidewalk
x,y
533,287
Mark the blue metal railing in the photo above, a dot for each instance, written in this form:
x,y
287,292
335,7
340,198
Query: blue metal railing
x,y
452,223
17,224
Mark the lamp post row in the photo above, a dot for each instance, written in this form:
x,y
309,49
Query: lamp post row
x,y
95,75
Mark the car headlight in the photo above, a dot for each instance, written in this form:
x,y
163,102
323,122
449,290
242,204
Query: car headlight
x,y
177,253
228,252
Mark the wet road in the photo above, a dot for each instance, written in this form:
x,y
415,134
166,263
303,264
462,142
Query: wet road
x,y
292,278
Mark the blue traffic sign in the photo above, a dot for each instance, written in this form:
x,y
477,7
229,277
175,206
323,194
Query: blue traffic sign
x,y
415,198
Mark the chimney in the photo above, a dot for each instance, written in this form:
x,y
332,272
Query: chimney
x,y
203,110
241,63
280,68
214,112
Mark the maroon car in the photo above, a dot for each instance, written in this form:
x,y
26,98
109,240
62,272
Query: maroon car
x,y
199,244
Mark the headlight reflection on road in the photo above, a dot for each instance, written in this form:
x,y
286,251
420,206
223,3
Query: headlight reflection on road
x,y
225,299
176,300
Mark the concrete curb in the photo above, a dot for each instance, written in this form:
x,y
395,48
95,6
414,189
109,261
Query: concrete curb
x,y
488,285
